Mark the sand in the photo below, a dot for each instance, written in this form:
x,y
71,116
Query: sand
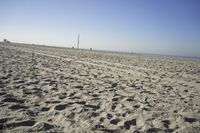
x,y
52,89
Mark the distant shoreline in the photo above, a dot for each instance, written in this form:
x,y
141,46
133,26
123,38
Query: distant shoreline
x,y
123,52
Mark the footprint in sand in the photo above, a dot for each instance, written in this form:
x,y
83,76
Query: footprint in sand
x,y
153,130
166,123
81,102
109,116
45,108
61,96
114,105
18,124
129,123
115,121
3,120
17,106
190,119
60,107
52,101
2,93
10,99
95,107
115,99
79,86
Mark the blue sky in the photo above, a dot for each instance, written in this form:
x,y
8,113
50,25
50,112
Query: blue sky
x,y
145,26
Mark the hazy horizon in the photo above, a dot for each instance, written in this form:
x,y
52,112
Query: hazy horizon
x,y
156,27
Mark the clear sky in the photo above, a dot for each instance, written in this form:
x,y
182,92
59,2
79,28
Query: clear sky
x,y
144,26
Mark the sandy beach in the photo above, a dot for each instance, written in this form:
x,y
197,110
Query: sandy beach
x,y
54,89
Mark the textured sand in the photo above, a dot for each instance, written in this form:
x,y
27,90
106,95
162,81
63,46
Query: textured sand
x,y
49,89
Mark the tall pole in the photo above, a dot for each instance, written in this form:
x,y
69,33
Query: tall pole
x,y
78,41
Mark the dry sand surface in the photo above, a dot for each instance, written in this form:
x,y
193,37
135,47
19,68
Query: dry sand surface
x,y
52,89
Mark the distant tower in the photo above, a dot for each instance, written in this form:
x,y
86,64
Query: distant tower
x,y
78,41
